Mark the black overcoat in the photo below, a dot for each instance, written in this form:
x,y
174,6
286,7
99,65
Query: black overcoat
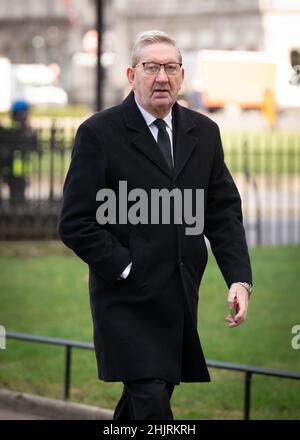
x,y
146,325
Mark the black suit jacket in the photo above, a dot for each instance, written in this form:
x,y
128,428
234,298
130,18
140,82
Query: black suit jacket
x,y
146,325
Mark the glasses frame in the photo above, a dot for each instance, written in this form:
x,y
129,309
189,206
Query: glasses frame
x,y
158,64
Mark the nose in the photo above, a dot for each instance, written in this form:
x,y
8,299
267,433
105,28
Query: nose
x,y
162,76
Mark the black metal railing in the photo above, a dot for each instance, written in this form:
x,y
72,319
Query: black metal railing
x,y
248,370
32,171
265,167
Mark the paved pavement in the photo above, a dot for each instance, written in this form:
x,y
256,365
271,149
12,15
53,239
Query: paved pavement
x,y
22,406
9,414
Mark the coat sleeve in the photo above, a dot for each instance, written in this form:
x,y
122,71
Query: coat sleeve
x,y
78,227
224,221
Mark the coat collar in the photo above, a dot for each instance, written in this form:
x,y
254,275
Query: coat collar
x,y
142,138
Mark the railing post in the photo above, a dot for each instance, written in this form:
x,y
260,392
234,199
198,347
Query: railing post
x,y
258,215
51,170
67,372
251,179
247,395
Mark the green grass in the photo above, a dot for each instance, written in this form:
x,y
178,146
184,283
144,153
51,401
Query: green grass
x,y
44,291
262,152
55,111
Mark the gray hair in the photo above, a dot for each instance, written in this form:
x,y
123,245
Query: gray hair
x,y
151,37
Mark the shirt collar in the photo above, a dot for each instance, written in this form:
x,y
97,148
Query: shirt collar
x,y
149,118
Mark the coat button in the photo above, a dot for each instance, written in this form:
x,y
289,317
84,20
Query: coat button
x,y
181,263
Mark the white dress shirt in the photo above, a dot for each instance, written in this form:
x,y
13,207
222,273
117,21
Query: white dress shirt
x,y
149,119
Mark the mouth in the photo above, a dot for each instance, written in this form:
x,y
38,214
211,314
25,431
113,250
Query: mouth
x,y
161,91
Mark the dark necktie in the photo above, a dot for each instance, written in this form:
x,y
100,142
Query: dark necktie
x,y
163,141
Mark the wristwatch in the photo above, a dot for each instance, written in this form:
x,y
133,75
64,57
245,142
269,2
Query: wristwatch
x,y
247,285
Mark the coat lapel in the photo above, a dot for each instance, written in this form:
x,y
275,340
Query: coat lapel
x,y
183,142
141,136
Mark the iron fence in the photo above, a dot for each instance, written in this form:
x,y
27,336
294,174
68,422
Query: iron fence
x,y
248,371
265,167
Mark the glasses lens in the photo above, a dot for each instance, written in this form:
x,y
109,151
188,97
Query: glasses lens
x,y
172,68
151,68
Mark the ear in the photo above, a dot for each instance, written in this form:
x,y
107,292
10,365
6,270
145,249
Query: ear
x,y
182,74
130,75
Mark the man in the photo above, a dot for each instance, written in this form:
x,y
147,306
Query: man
x,y
16,144
145,276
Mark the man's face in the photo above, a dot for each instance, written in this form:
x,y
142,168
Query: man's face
x,y
156,93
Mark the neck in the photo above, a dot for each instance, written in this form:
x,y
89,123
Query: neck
x,y
159,113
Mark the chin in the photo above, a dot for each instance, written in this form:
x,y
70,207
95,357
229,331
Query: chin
x,y
162,101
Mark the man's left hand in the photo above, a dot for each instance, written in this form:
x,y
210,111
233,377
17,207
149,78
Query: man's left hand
x,y
237,301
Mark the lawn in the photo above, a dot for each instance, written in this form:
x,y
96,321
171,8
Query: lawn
x,y
43,291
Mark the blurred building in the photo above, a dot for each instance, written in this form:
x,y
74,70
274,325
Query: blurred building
x,y
195,24
281,24
45,32
248,25
55,31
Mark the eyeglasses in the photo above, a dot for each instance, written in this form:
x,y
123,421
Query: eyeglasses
x,y
152,68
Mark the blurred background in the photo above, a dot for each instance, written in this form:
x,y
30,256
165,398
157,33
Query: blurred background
x,y
62,60
241,60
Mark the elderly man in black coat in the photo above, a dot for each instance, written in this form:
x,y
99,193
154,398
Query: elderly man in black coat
x,y
145,260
